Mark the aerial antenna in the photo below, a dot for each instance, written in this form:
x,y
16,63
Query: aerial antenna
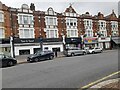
x,y
71,4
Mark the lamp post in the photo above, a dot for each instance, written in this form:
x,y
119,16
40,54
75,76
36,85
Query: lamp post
x,y
40,38
12,34
63,34
41,43
63,41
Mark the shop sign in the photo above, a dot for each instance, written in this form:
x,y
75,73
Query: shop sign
x,y
104,39
90,40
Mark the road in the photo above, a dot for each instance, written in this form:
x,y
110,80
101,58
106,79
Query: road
x,y
66,72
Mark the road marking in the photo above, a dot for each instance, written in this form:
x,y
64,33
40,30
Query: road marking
x,y
97,81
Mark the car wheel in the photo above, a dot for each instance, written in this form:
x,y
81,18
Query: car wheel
x,y
10,63
72,54
93,52
51,57
36,59
84,53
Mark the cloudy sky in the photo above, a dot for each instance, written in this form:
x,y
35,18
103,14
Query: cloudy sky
x,y
81,6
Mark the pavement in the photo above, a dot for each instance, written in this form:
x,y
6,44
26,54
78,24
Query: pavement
x,y
23,58
107,82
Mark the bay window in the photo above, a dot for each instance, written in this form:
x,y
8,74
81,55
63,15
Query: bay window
x,y
26,33
2,33
52,33
1,17
25,19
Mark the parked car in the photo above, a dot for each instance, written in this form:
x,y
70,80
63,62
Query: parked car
x,y
94,50
74,51
41,55
7,61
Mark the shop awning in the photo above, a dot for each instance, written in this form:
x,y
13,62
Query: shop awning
x,y
117,41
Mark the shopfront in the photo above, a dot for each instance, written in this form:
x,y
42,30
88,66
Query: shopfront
x,y
115,42
26,46
104,42
74,42
90,42
31,46
5,46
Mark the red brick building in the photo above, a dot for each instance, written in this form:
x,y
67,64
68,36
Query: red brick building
x,y
27,25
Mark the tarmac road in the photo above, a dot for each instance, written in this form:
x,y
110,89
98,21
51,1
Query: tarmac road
x,y
66,72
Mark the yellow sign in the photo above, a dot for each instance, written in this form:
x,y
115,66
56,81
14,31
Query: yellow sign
x,y
89,41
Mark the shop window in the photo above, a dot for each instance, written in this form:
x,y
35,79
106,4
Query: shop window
x,y
36,50
24,52
54,49
46,48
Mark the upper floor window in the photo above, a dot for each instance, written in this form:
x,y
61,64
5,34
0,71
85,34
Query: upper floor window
x,y
2,33
89,33
1,17
72,33
51,20
71,22
114,24
51,33
88,23
102,24
26,33
25,19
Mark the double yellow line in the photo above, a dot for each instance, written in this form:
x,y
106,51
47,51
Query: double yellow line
x,y
95,82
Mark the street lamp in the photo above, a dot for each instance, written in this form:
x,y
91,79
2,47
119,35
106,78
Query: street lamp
x,y
41,43
63,41
40,38
12,34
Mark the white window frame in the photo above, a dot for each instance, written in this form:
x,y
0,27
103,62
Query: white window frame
x,y
72,21
72,33
48,33
29,17
2,16
30,33
53,20
2,35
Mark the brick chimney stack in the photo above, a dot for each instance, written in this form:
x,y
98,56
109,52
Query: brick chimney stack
x,y
32,7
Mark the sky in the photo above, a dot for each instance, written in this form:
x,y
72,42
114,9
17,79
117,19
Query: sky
x,y
80,6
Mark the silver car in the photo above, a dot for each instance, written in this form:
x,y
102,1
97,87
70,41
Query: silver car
x,y
95,50
75,51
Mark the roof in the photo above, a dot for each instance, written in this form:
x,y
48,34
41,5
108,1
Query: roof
x,y
70,9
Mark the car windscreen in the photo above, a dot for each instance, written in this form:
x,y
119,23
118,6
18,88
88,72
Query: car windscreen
x,y
91,48
1,56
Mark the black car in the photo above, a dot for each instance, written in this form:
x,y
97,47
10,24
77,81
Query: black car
x,y
7,61
41,55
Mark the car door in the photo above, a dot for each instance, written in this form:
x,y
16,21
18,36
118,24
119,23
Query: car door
x,y
41,55
80,51
97,50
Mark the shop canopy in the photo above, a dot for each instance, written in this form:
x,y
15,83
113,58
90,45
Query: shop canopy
x,y
116,40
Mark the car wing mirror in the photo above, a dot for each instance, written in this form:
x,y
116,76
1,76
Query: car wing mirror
x,y
4,56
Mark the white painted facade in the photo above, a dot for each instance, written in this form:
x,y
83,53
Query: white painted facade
x,y
102,28
88,27
50,47
71,24
114,28
51,24
2,30
104,42
27,47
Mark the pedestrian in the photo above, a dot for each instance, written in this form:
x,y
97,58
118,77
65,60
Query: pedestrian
x,y
55,52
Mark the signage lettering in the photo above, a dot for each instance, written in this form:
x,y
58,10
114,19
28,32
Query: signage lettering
x,y
27,41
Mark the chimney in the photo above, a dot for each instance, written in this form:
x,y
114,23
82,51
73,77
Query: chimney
x,y
32,7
